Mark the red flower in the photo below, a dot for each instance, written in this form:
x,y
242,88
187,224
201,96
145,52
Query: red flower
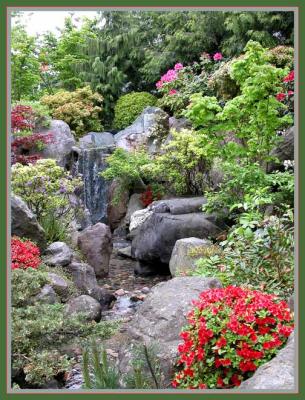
x,y
202,386
235,380
289,77
247,366
221,342
280,96
24,254
290,92
220,381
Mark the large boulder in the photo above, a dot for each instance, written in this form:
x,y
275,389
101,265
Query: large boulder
x,y
61,144
47,295
83,276
59,285
182,205
156,237
116,211
96,139
160,318
148,130
58,253
277,374
283,151
185,254
134,204
85,305
95,242
24,223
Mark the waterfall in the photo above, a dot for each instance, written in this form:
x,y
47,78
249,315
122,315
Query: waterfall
x,y
90,162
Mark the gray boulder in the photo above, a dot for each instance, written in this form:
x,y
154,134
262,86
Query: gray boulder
x,y
182,260
58,253
47,295
277,374
179,123
148,130
283,151
83,276
160,318
62,142
156,237
134,204
183,205
24,223
59,285
85,305
95,242
96,139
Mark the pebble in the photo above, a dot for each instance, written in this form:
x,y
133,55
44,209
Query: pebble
x,y
119,292
145,290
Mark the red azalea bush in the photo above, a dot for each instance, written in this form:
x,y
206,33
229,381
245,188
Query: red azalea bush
x,y
286,96
149,196
24,254
231,332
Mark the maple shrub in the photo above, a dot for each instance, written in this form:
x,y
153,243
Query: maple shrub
x,y
231,332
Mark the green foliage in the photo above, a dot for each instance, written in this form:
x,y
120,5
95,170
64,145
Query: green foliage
x,y
221,82
254,116
106,376
39,330
55,229
183,163
44,186
127,168
130,106
79,109
282,56
258,253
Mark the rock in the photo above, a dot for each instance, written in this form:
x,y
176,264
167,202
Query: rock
x,y
156,237
125,252
277,374
291,303
183,205
83,276
134,204
58,253
179,123
145,290
59,285
138,218
160,318
62,142
120,292
148,130
24,223
85,305
96,244
96,139
47,295
116,212
182,261
103,296
283,151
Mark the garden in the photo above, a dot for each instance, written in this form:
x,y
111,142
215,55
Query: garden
x,y
152,201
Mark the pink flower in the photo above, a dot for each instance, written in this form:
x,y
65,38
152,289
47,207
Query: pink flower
x,y
172,91
290,92
280,96
178,66
159,84
217,57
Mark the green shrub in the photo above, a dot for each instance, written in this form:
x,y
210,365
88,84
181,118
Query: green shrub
x,y
39,330
130,106
44,186
79,109
281,56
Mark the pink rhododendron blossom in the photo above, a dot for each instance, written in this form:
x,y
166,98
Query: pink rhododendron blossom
x,y
178,66
290,92
217,57
159,84
289,77
172,91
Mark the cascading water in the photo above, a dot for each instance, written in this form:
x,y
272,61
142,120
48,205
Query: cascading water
x,y
90,162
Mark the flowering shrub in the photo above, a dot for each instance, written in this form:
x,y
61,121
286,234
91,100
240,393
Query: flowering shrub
x,y
151,194
24,254
23,146
44,186
231,332
22,118
286,96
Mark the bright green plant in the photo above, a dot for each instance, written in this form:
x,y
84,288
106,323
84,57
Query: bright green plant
x,y
44,186
254,116
130,106
183,163
127,168
79,109
106,375
55,229
258,253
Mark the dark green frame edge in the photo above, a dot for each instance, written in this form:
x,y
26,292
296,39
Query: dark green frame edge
x,y
3,173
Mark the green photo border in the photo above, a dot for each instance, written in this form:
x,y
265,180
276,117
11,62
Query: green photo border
x,y
4,165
